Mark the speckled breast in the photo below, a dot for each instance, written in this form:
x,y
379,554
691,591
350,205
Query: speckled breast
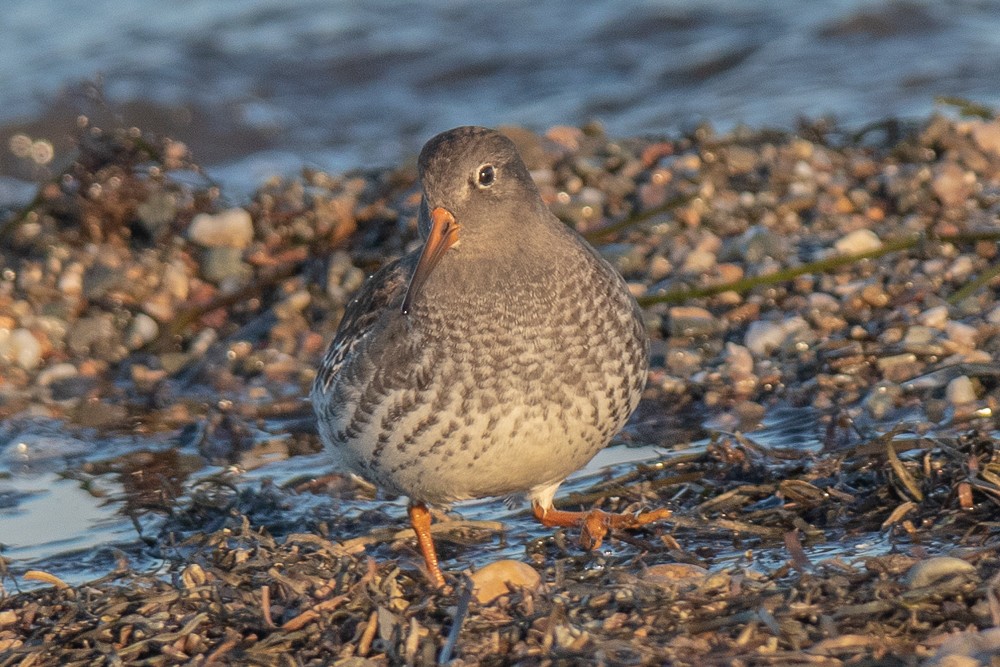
x,y
491,396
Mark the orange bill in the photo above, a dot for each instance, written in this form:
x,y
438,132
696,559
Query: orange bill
x,y
443,235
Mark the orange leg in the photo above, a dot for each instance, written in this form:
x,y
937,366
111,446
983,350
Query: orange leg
x,y
595,524
420,519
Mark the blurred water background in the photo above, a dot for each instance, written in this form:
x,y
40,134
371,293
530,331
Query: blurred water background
x,y
263,86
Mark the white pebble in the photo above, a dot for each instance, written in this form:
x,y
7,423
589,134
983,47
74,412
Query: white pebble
x,y
143,329
962,334
232,228
936,317
56,372
699,261
764,337
738,359
71,280
20,347
918,335
926,572
858,241
960,391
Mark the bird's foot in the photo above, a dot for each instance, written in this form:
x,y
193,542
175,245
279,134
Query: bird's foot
x,y
596,524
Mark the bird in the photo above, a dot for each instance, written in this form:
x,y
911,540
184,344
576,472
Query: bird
x,y
494,360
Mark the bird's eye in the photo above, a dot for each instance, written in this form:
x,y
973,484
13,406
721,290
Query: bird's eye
x,y
486,176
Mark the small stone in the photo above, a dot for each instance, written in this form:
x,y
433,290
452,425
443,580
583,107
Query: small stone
x,y
987,136
88,332
961,269
21,348
960,391
500,577
659,267
55,373
232,228
898,367
71,280
926,572
951,185
875,295
762,338
936,317
699,261
224,263
343,279
918,336
967,649
963,335
882,398
142,330
669,573
688,321
858,241
158,210
754,246
739,360
628,258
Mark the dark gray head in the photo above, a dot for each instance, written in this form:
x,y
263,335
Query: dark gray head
x,y
478,195
477,175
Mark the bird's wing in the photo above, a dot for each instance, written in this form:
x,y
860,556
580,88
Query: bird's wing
x,y
382,291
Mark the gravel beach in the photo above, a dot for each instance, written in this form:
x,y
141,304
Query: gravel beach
x,y
823,397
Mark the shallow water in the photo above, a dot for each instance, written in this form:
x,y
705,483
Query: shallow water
x,y
264,86
68,506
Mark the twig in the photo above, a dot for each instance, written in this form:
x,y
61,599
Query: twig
x,y
461,611
382,536
819,266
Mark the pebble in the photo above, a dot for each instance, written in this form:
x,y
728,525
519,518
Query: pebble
x,y
222,263
739,360
858,241
500,577
159,209
951,184
963,335
88,332
670,573
987,136
659,268
960,391
929,571
688,321
627,258
142,330
898,367
882,399
21,348
232,228
936,317
918,337
56,372
974,648
754,245
343,279
764,337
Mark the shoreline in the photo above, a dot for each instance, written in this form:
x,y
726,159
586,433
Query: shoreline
x,y
136,302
